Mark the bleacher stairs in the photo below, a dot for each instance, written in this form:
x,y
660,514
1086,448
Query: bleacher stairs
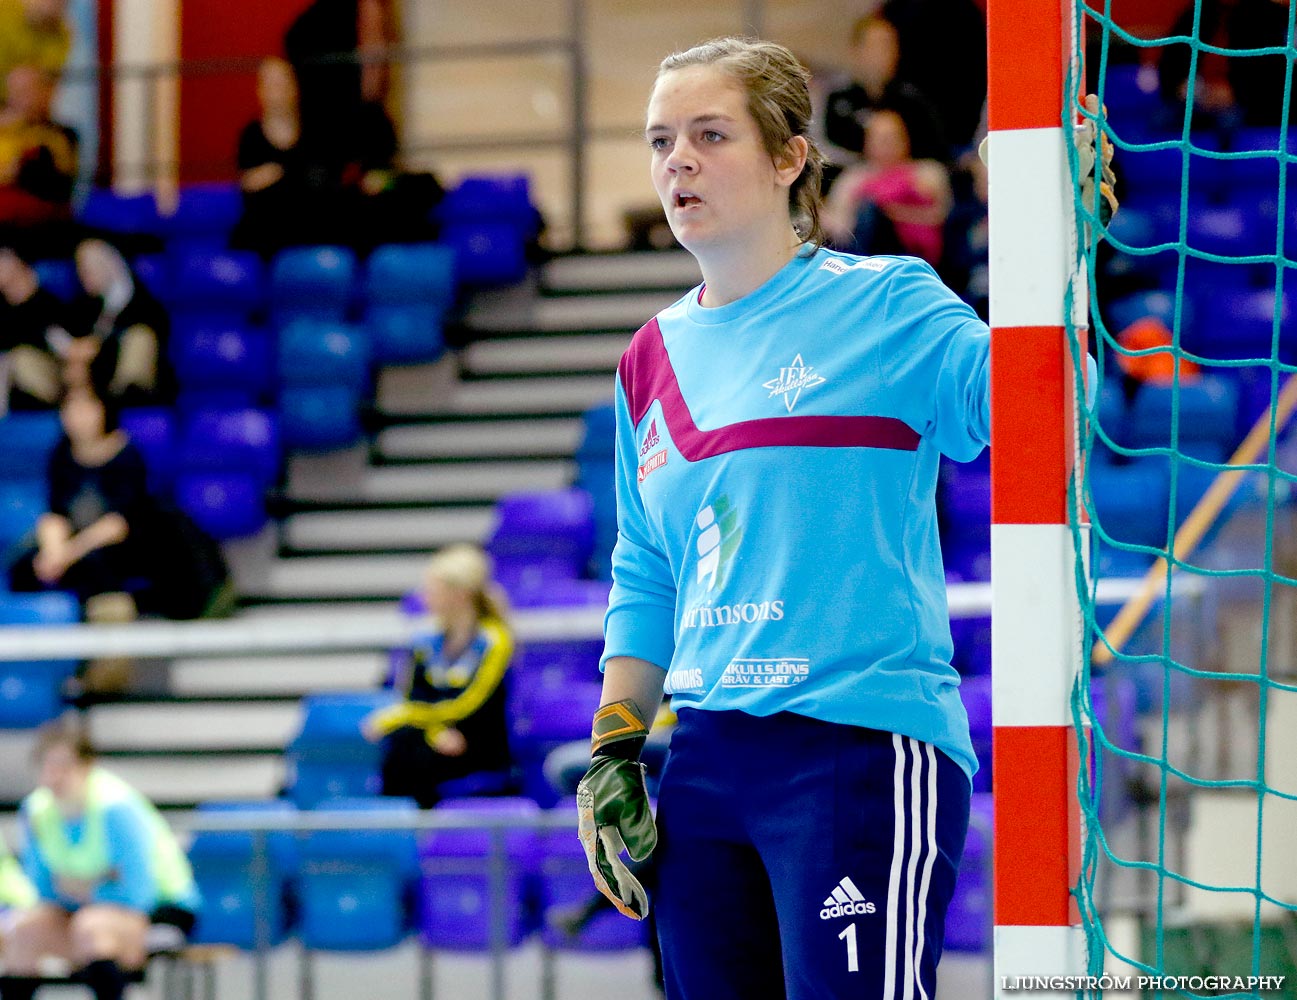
x,y
500,415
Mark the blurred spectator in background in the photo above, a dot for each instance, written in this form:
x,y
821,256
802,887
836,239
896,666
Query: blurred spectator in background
x,y
33,32
120,331
875,50
1213,93
891,203
105,866
452,721
965,263
273,168
38,156
16,889
33,323
943,54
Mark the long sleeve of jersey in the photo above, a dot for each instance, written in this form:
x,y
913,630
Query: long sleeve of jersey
x,y
641,607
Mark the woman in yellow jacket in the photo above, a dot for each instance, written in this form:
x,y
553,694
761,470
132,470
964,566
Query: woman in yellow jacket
x,y
104,865
452,721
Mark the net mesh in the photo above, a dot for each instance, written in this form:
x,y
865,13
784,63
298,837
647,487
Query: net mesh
x,y
1188,702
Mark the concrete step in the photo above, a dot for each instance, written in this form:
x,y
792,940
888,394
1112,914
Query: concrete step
x,y
594,352
323,577
671,269
289,676
182,780
387,530
519,438
462,481
571,314
192,726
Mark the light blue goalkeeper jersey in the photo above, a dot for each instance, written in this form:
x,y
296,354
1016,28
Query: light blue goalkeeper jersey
x,y
776,475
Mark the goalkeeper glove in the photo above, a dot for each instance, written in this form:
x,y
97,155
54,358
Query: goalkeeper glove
x,y
613,807
1085,154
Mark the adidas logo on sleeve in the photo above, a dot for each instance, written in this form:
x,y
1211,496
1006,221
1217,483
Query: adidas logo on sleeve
x,y
846,901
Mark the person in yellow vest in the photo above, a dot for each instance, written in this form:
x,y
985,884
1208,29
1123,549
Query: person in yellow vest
x,y
452,721
16,889
104,864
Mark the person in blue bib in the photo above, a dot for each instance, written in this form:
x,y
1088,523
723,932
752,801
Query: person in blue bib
x,y
105,866
778,572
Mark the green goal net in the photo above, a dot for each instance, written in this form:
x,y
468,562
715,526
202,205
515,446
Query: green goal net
x,y
1188,702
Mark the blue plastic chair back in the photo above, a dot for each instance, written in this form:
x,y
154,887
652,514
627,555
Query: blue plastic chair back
x,y
223,356
317,282
26,440
503,198
318,353
224,504
412,274
456,883
21,505
1207,410
1131,503
545,712
219,283
120,213
153,431
405,334
487,253
319,417
31,692
239,441
205,211
553,525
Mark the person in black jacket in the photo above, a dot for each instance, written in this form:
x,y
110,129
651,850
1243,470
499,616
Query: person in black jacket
x,y
33,326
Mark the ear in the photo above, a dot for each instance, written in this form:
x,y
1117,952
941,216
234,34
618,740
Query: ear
x,y
789,167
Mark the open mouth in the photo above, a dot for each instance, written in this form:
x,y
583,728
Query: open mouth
x,y
684,199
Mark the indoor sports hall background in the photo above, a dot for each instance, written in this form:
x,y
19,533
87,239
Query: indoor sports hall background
x,y
421,352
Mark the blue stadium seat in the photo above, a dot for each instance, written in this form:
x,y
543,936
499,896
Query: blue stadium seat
x,y
224,504
405,334
1232,231
31,691
318,353
218,285
58,277
353,884
215,355
565,884
317,282
503,198
1130,502
965,498
969,920
319,418
561,661
204,216
21,504
26,440
1250,178
546,712
156,272
487,253
223,863
1208,411
1114,701
411,274
972,644
120,213
328,757
553,527
1238,323
456,881
1158,304
238,441
153,431
598,435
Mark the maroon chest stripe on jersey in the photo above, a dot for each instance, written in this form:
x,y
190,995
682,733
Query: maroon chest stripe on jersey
x,y
646,374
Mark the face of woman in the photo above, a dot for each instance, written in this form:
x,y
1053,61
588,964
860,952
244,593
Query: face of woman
x,y
276,85
64,774
95,267
710,167
82,415
887,142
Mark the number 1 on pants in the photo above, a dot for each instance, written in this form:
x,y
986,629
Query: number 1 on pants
x,y
853,956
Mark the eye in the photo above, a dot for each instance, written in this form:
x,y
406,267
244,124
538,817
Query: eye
x,y
658,142
711,135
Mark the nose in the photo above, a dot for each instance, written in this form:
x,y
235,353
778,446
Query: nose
x,y
682,158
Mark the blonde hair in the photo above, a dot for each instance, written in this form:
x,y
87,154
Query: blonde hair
x,y
779,100
466,567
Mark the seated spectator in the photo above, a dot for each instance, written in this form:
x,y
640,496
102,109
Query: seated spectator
x,y
120,331
272,167
106,538
105,867
875,49
35,33
33,329
452,722
38,156
891,203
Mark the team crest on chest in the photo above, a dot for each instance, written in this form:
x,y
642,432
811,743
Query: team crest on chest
x,y
793,378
